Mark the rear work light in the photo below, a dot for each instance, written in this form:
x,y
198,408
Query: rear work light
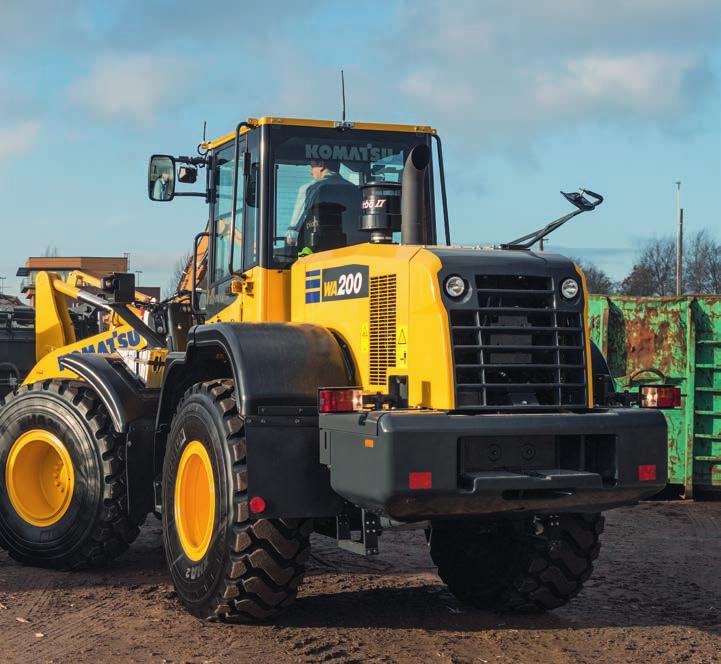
x,y
660,396
340,400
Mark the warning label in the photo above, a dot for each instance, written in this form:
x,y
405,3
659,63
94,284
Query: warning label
x,y
402,347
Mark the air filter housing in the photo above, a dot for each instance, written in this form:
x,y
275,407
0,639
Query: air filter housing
x,y
381,210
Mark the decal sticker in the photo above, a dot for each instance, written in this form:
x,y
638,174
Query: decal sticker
x,y
365,338
312,286
347,282
402,347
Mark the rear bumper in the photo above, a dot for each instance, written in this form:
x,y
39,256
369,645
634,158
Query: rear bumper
x,y
465,465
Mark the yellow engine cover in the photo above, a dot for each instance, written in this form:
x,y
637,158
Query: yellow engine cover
x,y
384,302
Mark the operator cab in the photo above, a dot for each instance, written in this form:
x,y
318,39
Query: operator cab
x,y
278,189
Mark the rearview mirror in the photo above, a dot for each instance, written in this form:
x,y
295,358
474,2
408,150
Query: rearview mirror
x,y
161,178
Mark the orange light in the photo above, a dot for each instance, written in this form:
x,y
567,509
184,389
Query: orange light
x,y
368,442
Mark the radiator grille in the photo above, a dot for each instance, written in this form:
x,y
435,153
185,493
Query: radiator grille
x,y
382,337
515,349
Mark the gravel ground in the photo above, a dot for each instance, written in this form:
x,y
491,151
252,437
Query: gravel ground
x,y
655,596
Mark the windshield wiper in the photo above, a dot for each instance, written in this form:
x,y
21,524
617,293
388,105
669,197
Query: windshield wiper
x,y
578,199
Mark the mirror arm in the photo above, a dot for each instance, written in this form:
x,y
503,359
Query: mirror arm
x,y
193,161
192,193
235,199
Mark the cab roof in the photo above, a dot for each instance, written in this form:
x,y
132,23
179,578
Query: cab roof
x,y
300,122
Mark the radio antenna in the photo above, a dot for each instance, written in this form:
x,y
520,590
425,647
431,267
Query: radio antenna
x,y
205,124
342,91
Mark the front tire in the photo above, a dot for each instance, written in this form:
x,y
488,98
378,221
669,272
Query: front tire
x,y
63,500
225,565
520,566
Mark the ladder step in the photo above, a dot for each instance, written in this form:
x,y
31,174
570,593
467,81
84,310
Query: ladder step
x,y
715,413
708,436
715,459
709,342
713,367
709,389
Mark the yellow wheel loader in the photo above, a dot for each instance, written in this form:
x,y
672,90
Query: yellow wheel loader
x,y
337,368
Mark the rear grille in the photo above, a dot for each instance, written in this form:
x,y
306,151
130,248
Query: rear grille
x,y
382,337
515,349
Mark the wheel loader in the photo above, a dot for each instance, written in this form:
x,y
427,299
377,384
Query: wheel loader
x,y
337,366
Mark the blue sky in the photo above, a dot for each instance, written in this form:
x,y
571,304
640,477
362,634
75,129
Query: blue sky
x,y
530,97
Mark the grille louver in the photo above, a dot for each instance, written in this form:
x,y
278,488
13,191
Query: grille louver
x,y
382,332
516,349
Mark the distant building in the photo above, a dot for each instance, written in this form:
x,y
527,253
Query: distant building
x,y
9,300
97,266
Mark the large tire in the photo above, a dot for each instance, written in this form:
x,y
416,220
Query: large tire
x,y
93,526
522,566
230,567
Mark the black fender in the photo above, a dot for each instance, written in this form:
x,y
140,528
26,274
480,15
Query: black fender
x,y
121,392
277,369
132,410
272,364
276,364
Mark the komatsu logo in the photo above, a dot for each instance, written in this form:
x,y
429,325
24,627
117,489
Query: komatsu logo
x,y
368,152
111,343
115,342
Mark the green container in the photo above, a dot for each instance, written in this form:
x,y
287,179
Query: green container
x,y
681,337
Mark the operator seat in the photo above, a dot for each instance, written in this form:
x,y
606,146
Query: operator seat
x,y
334,218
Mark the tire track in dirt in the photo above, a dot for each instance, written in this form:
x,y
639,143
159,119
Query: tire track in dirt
x,y
62,634
654,598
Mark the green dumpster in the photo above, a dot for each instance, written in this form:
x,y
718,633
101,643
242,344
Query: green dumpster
x,y
681,337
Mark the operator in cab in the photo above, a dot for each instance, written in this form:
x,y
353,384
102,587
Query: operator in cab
x,y
327,210
162,186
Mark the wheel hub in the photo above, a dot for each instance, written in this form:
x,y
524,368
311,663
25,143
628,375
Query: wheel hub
x,y
39,477
195,500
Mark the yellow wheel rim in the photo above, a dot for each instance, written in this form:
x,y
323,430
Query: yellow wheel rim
x,y
39,477
195,500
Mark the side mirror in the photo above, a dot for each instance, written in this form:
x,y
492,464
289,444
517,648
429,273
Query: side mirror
x,y
161,178
187,174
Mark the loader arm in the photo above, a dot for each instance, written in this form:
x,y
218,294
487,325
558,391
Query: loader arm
x,y
55,334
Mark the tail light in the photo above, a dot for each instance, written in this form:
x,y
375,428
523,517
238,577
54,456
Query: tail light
x,y
340,400
660,396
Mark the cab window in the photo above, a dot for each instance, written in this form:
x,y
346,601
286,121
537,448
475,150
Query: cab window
x,y
317,178
246,237
223,214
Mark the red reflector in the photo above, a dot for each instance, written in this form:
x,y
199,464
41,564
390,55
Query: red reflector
x,y
257,505
647,473
660,396
422,480
340,400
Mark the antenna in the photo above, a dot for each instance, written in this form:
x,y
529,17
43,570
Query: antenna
x,y
205,124
342,92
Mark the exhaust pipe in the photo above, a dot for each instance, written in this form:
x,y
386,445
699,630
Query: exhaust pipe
x,y
413,195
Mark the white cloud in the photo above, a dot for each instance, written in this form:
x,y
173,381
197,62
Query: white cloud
x,y
137,87
20,137
522,69
645,82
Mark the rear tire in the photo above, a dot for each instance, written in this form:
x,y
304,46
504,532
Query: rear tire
x,y
225,565
89,525
521,566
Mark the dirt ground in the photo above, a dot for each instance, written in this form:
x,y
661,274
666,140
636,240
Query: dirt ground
x,y
655,596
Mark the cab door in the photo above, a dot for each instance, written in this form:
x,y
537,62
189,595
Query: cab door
x,y
223,303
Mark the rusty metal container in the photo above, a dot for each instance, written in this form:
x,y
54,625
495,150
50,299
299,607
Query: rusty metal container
x,y
680,337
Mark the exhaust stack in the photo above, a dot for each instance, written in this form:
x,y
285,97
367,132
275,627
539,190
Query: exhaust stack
x,y
413,195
